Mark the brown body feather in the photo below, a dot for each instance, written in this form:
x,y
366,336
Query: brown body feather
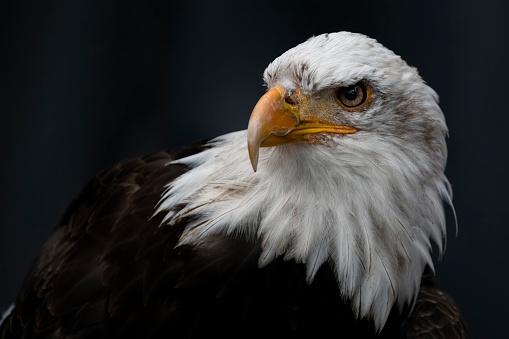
x,y
110,271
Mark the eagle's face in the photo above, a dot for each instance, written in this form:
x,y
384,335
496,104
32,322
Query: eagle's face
x,y
337,85
350,147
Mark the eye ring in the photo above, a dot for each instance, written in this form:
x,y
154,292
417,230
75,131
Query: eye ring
x,y
354,97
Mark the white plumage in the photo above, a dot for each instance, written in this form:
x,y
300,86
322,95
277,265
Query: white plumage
x,y
369,203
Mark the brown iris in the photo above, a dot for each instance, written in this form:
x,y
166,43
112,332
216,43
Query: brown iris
x,y
353,97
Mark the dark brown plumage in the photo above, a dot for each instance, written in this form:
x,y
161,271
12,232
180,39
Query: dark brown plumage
x,y
110,271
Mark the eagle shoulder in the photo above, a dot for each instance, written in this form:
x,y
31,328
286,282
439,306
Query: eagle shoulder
x,y
103,253
435,314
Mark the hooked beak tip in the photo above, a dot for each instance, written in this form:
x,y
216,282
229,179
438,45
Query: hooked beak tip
x,y
253,149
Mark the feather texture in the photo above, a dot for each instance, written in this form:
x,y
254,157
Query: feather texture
x,y
332,236
370,203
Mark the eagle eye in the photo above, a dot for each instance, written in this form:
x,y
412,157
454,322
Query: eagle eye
x,y
353,97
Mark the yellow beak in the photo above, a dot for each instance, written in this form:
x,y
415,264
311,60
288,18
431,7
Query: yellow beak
x,y
275,121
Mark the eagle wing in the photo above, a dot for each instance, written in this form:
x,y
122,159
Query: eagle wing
x,y
435,314
106,249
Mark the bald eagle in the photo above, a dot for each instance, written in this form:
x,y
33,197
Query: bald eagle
x,y
316,221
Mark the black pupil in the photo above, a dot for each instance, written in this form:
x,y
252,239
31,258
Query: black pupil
x,y
351,93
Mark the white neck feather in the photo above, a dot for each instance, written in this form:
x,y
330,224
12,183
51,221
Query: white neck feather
x,y
369,212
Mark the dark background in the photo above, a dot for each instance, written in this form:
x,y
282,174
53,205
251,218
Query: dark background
x,y
84,84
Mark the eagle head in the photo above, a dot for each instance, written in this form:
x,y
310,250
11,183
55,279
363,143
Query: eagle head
x,y
349,143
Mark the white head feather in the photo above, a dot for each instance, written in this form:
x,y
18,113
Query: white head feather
x,y
368,203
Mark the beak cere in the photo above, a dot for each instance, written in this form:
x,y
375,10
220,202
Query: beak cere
x,y
275,121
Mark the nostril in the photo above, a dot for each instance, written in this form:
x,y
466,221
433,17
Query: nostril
x,y
290,101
